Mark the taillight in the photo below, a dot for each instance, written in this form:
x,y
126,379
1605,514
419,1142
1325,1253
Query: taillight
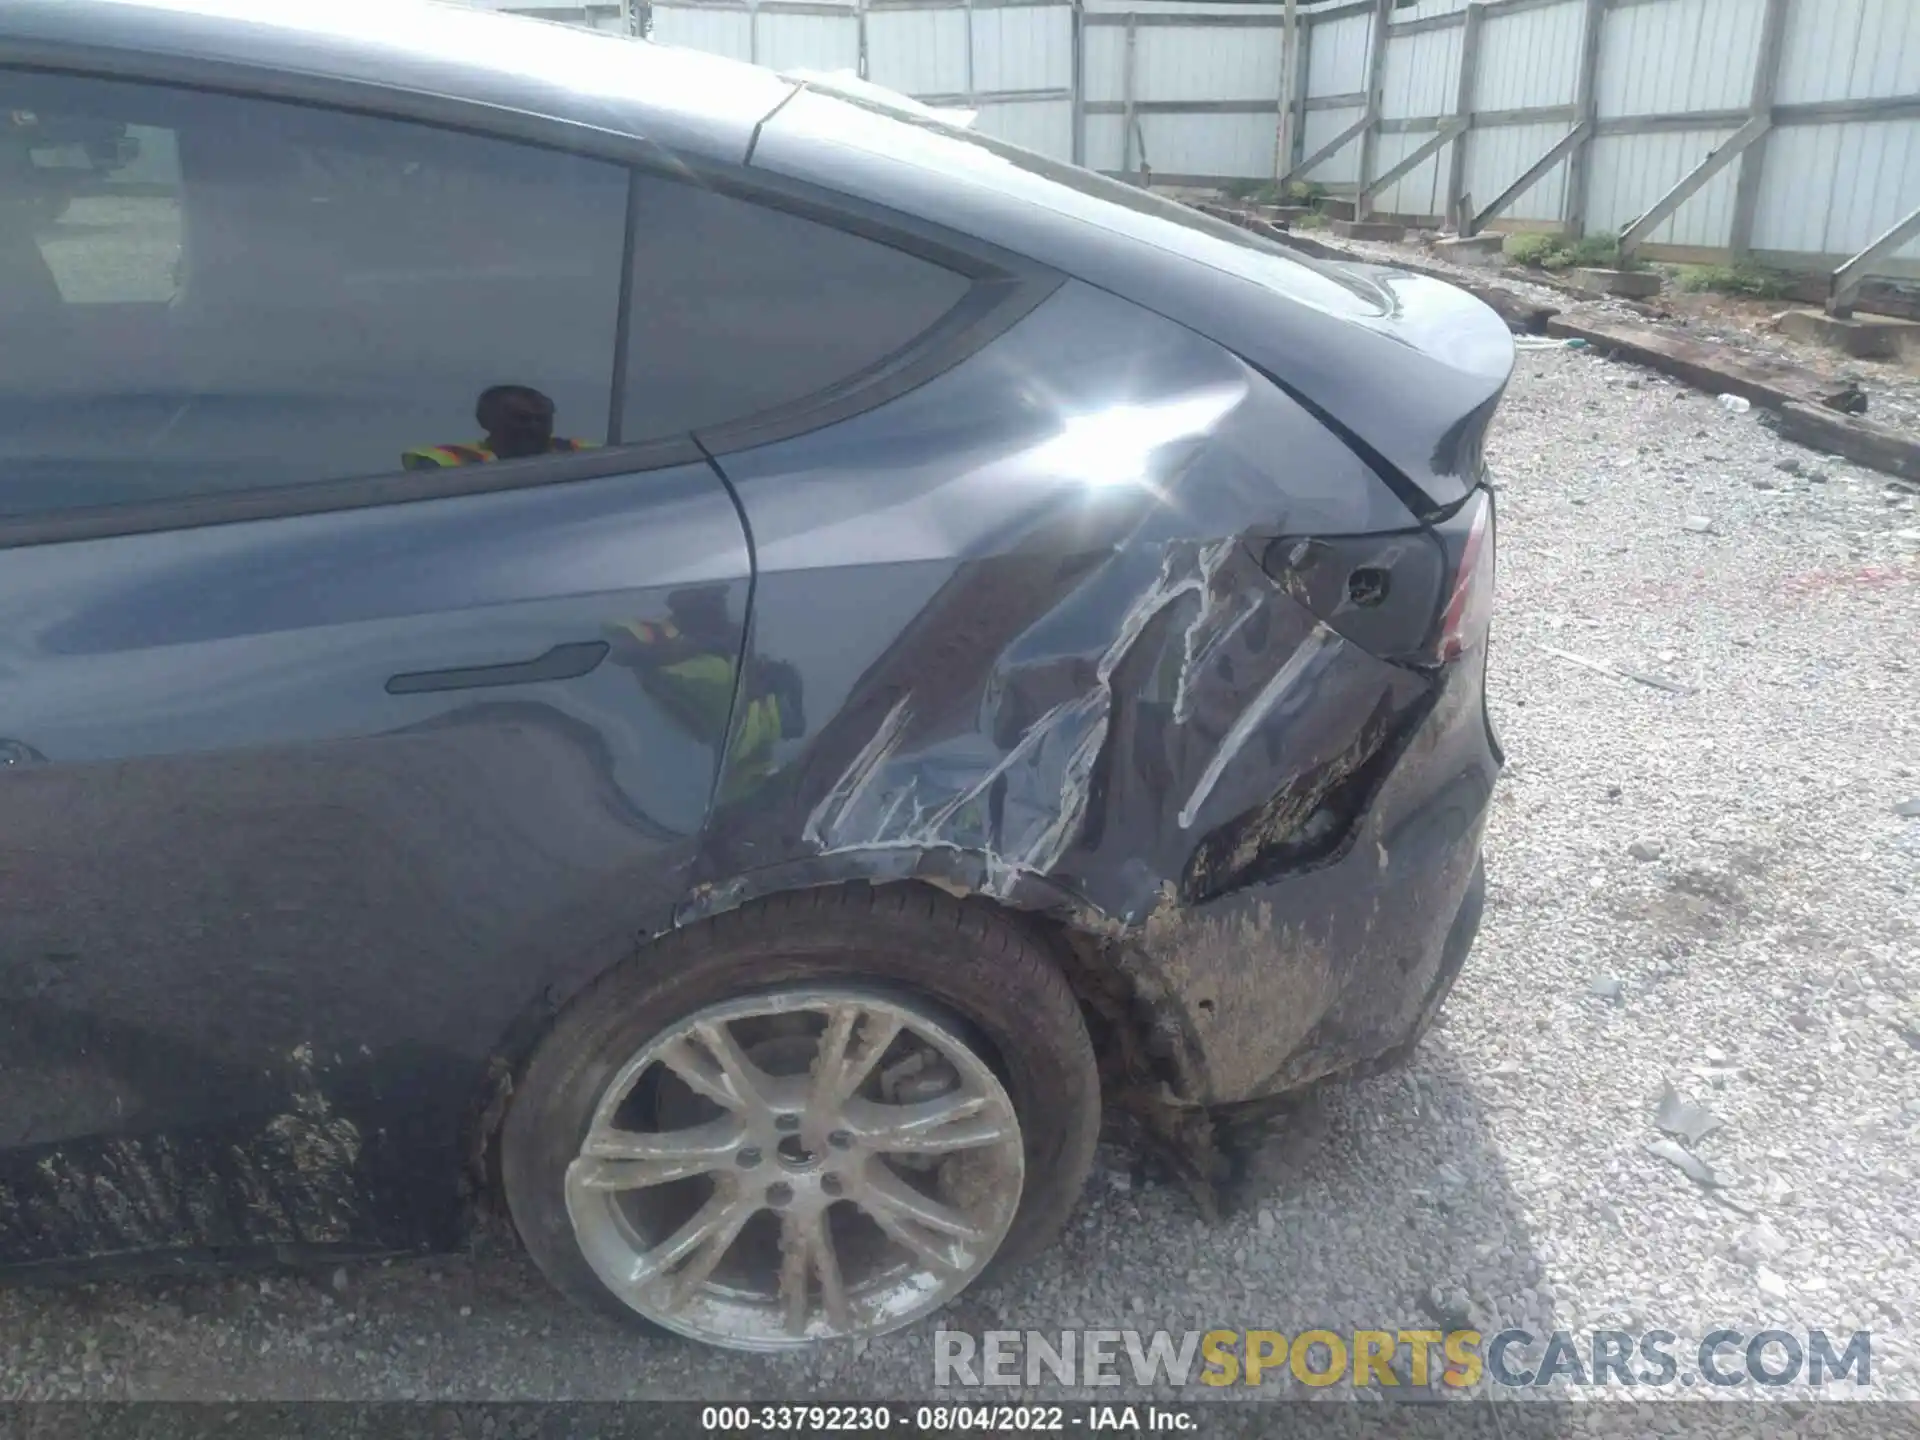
x,y
1464,622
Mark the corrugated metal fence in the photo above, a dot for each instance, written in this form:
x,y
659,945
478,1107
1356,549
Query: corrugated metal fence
x,y
1784,129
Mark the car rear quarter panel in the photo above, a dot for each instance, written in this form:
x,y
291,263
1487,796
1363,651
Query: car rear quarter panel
x,y
1026,678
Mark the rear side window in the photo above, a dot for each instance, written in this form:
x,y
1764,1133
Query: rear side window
x,y
739,308
203,293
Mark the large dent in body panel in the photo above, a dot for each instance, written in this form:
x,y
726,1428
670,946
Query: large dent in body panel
x,y
1024,808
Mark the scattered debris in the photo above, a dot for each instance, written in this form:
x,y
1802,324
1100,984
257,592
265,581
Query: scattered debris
x,y
1850,399
1672,687
1771,1285
1697,525
1607,987
1692,1123
1908,809
1685,1161
340,1280
1736,404
1790,465
1508,1068
1646,850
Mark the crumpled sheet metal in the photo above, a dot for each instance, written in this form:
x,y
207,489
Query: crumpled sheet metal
x,y
1211,693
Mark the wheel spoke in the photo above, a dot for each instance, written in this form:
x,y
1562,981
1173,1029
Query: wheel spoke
x,y
833,1285
844,1059
705,1223
930,1127
628,1160
716,1069
796,1252
914,1221
710,1251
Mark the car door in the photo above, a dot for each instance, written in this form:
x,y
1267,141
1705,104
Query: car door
x,y
332,753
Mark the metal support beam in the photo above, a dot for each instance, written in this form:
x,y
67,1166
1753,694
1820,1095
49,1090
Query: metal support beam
x,y
1376,75
1444,135
1753,164
1284,122
860,59
1845,282
1585,112
1077,104
1463,108
1528,178
971,87
1327,151
1690,183
1302,69
1126,100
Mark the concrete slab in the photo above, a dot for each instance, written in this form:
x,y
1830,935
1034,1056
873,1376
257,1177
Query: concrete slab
x,y
1285,214
1636,283
1470,246
1865,337
1369,230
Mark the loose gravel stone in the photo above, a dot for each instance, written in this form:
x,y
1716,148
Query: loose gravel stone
x,y
1773,787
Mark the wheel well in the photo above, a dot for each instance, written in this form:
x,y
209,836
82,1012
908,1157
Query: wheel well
x,y
1129,1045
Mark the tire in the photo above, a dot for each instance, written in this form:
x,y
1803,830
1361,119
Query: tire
x,y
966,971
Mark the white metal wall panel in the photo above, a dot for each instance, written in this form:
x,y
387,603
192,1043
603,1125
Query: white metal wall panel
x,y
811,42
1660,59
1343,168
1207,63
1183,7
918,52
1422,73
719,32
1499,156
1103,72
1529,59
1850,50
1630,172
1103,143
1423,9
1023,48
1832,189
1337,56
1423,189
1209,144
1042,125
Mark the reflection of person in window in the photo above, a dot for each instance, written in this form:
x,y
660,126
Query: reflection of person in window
x,y
687,663
519,422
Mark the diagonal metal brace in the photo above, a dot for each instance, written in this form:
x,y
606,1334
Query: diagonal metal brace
x,y
1691,182
1529,177
1330,149
1845,282
1441,137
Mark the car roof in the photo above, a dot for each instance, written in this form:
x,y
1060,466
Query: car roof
x,y
439,61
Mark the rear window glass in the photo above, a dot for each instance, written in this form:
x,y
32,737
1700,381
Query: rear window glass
x,y
740,308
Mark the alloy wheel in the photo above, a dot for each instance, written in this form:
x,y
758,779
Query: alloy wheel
x,y
813,1164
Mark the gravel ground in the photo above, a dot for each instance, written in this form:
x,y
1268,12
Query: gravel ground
x,y
1763,955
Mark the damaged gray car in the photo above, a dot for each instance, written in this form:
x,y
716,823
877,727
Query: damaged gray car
x,y
712,668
